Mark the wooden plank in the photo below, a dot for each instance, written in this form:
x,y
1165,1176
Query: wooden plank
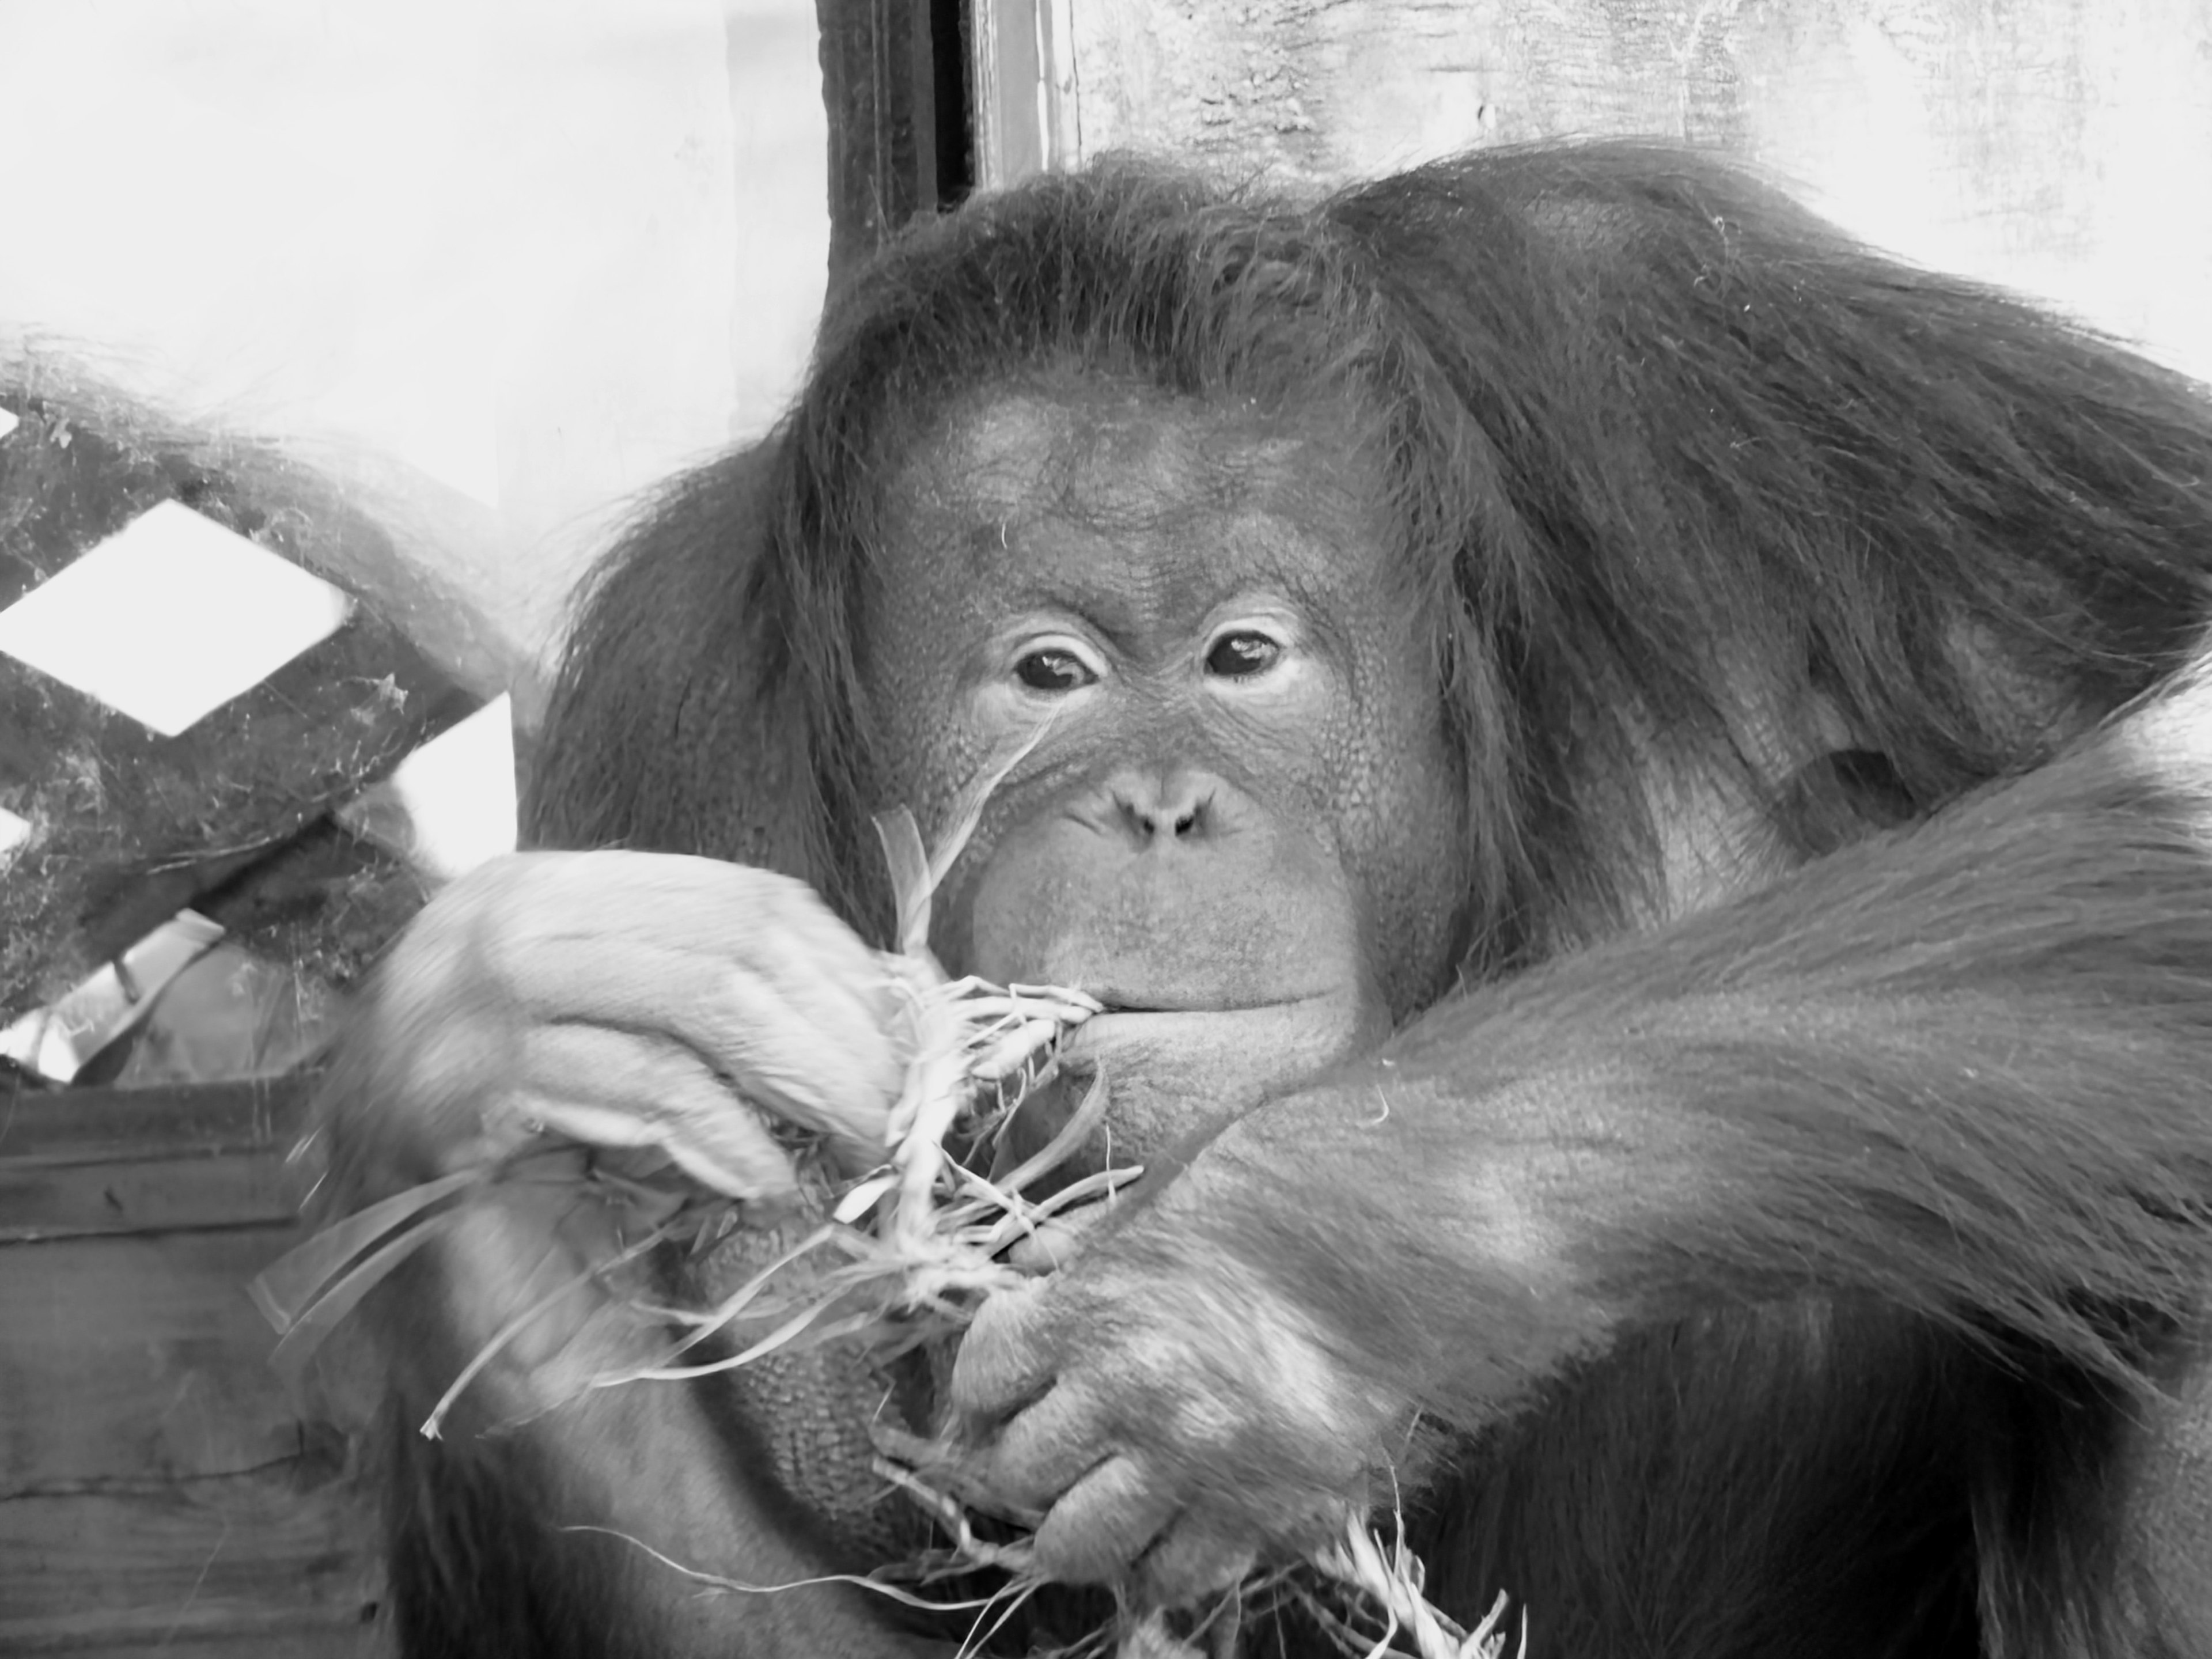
x,y
159,1489
241,1566
85,1163
138,1358
286,1641
144,1195
85,1125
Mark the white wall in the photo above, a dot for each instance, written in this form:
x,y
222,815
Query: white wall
x,y
2060,147
502,263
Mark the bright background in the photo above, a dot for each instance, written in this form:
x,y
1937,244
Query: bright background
x,y
498,264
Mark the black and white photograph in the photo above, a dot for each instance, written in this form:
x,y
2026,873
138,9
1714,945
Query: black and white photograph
x,y
1106,830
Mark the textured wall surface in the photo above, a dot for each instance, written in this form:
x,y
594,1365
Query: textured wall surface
x,y
2063,147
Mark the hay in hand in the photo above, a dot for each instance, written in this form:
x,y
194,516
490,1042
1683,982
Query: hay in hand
x,y
913,1246
1390,1577
908,1252
920,1239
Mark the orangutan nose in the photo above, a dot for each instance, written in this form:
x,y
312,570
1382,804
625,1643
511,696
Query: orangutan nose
x,y
1160,807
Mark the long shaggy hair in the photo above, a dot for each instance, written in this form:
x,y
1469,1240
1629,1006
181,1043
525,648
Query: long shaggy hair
x,y
1673,452
1700,491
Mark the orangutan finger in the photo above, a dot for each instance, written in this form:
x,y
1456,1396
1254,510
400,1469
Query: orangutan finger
x,y
1055,1243
525,913
1002,1362
837,1076
1194,1558
700,905
606,1088
1102,1523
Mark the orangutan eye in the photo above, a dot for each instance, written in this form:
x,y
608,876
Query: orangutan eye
x,y
1239,656
1055,669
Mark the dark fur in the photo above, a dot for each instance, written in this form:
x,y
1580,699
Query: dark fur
x,y
1637,399
1952,1083
1636,405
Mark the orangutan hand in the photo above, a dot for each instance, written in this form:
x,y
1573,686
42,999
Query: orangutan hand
x,y
633,1000
1163,1416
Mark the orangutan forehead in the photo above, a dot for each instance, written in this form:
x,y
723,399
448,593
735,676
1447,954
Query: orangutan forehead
x,y
1099,453
1121,493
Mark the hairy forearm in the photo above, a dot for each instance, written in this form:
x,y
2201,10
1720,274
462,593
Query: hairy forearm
x,y
642,1513
1967,1074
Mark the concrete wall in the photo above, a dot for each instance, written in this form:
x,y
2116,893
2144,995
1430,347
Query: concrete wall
x,y
2063,147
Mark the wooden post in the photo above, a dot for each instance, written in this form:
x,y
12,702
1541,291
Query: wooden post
x,y
878,81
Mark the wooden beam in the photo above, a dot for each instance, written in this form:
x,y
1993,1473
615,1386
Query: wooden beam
x,y
96,1163
878,81
161,1491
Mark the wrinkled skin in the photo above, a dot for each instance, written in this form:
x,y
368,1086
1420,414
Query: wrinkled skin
x,y
1236,830
1237,827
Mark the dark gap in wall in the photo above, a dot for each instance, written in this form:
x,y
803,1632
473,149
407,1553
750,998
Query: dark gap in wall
x,y
954,102
895,80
